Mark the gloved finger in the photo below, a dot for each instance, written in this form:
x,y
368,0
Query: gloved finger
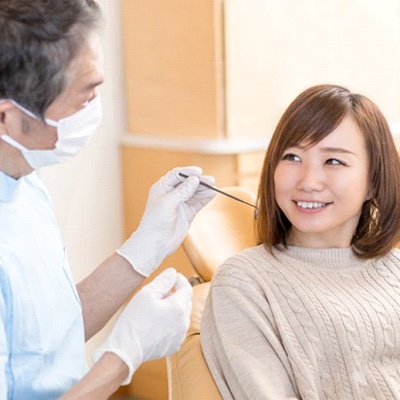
x,y
190,170
186,190
192,190
208,179
172,178
197,202
163,283
203,194
183,289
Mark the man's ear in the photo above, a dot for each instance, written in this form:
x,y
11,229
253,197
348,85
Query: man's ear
x,y
5,107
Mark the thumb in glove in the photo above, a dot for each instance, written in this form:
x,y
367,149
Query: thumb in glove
x,y
153,324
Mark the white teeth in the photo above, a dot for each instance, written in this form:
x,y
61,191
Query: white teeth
x,y
309,204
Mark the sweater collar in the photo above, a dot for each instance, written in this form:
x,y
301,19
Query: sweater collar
x,y
336,258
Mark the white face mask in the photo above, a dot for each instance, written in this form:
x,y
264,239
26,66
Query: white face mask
x,y
73,133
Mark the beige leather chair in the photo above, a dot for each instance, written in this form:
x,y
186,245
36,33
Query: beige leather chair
x,y
223,228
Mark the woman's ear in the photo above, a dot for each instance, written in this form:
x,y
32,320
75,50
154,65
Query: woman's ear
x,y
369,195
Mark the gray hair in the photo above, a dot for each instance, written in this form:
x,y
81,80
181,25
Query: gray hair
x,y
38,41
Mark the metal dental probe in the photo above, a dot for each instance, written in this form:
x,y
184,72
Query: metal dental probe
x,y
225,194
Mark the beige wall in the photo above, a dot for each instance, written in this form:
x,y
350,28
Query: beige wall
x,y
274,49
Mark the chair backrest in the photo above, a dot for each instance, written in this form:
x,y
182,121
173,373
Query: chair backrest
x,y
221,229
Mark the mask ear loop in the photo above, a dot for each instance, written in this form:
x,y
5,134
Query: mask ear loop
x,y
48,121
13,142
9,139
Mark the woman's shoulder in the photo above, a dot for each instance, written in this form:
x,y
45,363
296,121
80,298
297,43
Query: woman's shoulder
x,y
393,256
395,252
247,264
252,255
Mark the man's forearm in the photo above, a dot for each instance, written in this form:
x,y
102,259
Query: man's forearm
x,y
105,290
101,381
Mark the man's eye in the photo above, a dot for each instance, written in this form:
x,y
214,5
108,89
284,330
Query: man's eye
x,y
291,157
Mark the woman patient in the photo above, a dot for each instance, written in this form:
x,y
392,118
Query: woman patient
x,y
313,312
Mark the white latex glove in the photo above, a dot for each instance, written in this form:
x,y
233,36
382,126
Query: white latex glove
x,y
153,324
172,204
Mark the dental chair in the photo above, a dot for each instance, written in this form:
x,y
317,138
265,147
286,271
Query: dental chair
x,y
221,229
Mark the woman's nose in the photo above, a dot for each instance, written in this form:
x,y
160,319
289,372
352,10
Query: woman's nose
x,y
310,178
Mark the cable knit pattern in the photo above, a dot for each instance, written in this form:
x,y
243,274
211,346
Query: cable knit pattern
x,y
307,324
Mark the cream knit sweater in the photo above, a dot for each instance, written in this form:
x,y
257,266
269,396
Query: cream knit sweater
x,y
306,324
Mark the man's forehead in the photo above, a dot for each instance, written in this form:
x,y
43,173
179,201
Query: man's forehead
x,y
86,70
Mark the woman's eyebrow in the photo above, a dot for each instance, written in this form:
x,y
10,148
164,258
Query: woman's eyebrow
x,y
336,150
326,149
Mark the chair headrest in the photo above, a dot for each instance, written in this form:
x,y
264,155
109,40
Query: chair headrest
x,y
221,229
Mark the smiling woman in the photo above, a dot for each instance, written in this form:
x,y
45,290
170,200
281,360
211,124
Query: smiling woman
x,y
337,138
312,312
321,188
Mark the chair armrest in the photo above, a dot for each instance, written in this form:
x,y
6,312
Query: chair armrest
x,y
188,374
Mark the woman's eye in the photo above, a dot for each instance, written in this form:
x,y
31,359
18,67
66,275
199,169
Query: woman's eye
x,y
334,161
291,157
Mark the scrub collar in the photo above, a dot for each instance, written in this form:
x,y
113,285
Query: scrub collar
x,y
8,186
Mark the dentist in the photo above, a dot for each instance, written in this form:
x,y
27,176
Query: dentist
x,y
50,69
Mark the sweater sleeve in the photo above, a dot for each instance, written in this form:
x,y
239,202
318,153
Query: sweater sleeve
x,y
240,340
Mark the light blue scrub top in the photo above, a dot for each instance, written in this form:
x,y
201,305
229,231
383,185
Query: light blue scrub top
x,y
42,350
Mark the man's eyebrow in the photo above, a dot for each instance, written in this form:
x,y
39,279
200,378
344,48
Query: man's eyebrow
x,y
92,85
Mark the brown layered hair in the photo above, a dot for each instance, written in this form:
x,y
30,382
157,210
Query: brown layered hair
x,y
312,116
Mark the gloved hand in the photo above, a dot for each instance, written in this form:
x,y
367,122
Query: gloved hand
x,y
171,207
153,324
